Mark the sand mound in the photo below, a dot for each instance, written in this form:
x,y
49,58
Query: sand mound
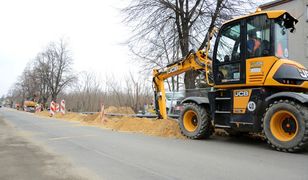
x,y
163,128
119,110
92,118
67,116
43,113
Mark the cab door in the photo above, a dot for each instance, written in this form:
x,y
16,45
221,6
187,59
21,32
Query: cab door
x,y
259,49
229,62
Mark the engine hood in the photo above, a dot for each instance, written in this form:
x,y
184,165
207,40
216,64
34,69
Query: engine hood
x,y
288,73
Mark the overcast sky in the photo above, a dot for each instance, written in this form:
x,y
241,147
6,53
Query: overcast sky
x,y
92,28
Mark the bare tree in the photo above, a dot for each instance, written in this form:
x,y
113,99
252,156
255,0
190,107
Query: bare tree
x,y
27,86
16,94
28,83
42,79
166,28
86,94
55,66
89,91
45,76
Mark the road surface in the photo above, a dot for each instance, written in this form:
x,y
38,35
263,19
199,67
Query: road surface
x,y
83,152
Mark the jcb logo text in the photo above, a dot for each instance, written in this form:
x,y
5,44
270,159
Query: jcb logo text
x,y
303,73
241,93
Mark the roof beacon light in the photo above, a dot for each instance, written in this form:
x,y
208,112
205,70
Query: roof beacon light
x,y
258,9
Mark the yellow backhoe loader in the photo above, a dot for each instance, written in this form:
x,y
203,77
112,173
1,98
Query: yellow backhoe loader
x,y
29,106
254,87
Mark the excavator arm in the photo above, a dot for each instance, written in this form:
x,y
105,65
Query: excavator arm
x,y
193,61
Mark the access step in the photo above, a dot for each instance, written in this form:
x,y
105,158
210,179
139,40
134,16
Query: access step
x,y
222,98
223,112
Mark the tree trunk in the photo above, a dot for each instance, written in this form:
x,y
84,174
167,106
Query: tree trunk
x,y
189,79
54,97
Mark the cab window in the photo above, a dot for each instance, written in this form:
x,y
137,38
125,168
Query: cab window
x,y
228,57
229,44
258,37
281,39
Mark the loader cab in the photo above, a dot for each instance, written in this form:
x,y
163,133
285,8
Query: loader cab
x,y
261,37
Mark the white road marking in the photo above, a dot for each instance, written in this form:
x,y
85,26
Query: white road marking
x,y
69,137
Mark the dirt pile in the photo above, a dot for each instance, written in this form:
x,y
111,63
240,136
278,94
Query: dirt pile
x,y
68,116
154,127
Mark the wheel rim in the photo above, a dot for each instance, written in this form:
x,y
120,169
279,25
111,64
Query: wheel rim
x,y
190,121
284,125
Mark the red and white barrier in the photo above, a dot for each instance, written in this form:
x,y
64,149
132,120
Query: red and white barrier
x,y
57,107
102,113
62,107
52,108
38,108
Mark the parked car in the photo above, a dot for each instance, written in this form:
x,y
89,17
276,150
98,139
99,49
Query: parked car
x,y
173,102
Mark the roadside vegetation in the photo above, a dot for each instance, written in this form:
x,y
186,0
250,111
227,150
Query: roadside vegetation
x,y
50,77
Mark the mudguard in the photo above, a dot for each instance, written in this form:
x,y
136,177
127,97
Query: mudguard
x,y
301,97
197,100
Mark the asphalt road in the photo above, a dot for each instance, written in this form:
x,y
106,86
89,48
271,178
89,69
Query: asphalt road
x,y
94,153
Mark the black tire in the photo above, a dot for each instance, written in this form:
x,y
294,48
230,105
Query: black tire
x,y
282,136
201,125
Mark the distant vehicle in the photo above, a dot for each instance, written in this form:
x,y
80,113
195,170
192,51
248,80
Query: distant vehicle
x,y
29,106
173,100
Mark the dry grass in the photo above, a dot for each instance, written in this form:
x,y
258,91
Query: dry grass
x,y
120,110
